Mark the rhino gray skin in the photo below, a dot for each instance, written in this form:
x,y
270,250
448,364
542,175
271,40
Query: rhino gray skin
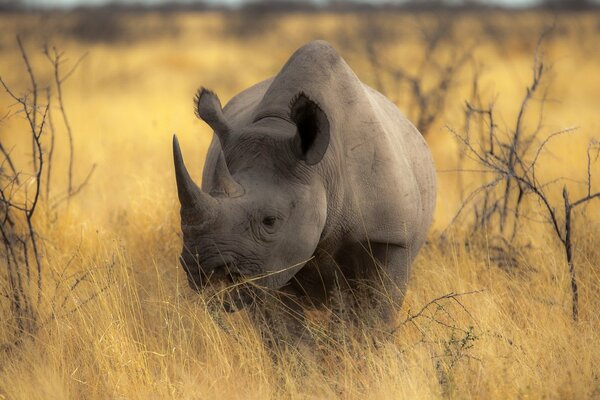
x,y
312,180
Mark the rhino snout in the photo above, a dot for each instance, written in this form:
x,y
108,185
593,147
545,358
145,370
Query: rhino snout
x,y
223,286
202,274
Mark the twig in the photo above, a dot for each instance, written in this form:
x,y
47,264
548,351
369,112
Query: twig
x,y
451,295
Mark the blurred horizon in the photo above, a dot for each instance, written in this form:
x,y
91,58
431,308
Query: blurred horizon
x,y
235,4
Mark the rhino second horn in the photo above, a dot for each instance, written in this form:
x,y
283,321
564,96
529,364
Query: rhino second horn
x,y
208,108
223,182
190,195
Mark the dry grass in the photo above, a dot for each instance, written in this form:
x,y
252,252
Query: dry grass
x,y
146,335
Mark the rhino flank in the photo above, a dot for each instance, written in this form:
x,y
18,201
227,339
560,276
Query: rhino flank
x,y
313,181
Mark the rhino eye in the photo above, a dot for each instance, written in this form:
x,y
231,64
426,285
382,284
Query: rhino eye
x,y
269,221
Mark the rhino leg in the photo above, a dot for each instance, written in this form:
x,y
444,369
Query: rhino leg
x,y
375,280
281,319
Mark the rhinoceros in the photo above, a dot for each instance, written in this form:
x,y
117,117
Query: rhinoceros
x,y
313,181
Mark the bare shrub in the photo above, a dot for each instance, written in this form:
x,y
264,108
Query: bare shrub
x,y
509,159
24,185
454,346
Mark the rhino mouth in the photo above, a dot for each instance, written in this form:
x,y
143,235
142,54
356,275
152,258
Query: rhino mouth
x,y
238,298
224,288
230,297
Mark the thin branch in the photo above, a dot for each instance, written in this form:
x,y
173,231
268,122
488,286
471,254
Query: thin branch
x,y
593,144
10,162
585,199
451,295
74,192
74,67
34,92
472,195
55,59
51,149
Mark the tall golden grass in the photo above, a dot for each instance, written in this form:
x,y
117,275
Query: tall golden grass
x,y
133,328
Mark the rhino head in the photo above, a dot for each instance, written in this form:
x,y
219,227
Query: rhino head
x,y
264,206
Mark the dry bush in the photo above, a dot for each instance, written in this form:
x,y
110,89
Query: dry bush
x,y
23,189
509,159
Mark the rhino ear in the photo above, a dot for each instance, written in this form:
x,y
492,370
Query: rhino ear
x,y
312,135
208,108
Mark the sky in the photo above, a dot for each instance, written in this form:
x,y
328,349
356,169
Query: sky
x,y
75,3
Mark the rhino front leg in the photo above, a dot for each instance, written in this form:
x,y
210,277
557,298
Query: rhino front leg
x,y
281,319
375,284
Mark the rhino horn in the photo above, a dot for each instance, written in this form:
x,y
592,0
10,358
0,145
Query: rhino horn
x,y
224,182
208,108
190,195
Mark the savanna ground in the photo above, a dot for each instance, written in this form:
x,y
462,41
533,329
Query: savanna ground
x,y
116,317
